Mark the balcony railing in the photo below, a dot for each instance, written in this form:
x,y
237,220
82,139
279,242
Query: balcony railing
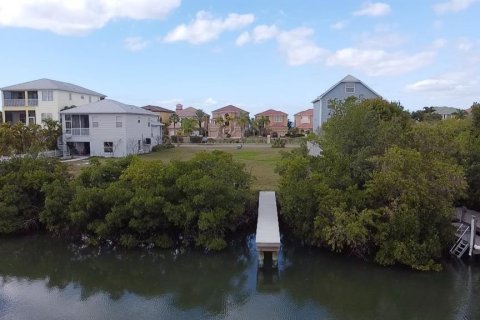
x,y
20,102
78,131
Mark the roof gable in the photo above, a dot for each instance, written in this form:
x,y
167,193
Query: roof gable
x,y
230,108
348,78
272,112
308,112
157,109
48,84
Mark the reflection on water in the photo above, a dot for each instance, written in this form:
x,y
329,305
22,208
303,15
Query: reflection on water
x,y
43,278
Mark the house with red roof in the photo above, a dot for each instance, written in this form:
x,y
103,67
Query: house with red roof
x,y
277,122
182,114
304,120
224,124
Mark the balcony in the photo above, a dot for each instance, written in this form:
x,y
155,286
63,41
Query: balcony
x,y
78,131
20,102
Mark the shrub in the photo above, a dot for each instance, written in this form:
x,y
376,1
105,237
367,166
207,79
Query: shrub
x,y
163,146
196,139
279,143
176,139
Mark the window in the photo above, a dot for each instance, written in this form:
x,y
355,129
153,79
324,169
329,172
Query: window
x,y
46,116
350,87
108,147
148,141
95,124
47,95
149,123
89,98
82,97
70,96
119,122
304,119
138,119
277,118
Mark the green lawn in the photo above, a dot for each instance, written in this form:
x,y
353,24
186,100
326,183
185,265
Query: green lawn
x,y
260,160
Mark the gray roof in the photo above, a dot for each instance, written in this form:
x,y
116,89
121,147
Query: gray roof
x,y
48,84
445,110
107,106
349,78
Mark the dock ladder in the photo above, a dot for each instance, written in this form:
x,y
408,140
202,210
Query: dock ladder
x,y
462,244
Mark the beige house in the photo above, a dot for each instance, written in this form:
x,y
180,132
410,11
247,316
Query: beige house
x,y
304,120
223,124
277,122
162,113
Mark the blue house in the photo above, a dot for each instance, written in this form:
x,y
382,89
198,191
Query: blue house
x,y
347,87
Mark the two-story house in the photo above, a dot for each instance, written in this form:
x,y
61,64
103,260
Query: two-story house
x,y
277,123
189,113
33,101
224,124
162,113
109,128
345,88
304,121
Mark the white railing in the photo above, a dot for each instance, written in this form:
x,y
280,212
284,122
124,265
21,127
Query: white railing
x,y
14,102
32,102
78,131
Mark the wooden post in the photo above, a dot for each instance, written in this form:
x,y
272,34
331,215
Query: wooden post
x,y
473,230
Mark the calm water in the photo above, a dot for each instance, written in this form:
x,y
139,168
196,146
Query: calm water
x,y
41,278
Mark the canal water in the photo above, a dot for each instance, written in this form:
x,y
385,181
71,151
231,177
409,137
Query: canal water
x,y
43,278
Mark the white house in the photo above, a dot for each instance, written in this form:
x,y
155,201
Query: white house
x,y
345,88
33,101
108,128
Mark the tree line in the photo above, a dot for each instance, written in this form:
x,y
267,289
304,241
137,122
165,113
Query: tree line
x,y
385,184
128,202
18,138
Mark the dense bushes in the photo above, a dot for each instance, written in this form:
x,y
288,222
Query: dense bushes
x,y
22,193
383,188
129,201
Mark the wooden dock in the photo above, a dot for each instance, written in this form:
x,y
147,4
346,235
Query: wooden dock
x,y
268,233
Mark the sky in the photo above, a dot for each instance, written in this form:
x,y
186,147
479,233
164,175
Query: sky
x,y
256,55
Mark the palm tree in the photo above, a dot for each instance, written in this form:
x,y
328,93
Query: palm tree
x,y
188,125
220,122
242,121
263,122
200,117
174,118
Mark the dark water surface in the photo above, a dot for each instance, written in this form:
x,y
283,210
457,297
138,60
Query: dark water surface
x,y
42,278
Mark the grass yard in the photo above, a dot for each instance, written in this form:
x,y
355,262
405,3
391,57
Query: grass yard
x,y
260,160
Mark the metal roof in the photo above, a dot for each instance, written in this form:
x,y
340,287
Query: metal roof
x,y
348,78
107,106
48,84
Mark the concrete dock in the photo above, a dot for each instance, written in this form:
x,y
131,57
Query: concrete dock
x,y
268,232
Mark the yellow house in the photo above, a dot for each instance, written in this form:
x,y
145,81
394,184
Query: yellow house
x,y
162,113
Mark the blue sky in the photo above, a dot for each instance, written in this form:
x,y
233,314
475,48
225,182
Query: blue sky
x,y
254,54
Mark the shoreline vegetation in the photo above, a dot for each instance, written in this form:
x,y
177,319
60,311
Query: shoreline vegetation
x,y
383,190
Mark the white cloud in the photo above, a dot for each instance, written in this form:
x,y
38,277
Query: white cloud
x,y
458,84
80,16
259,34
339,25
452,6
135,43
298,46
210,102
373,9
205,27
464,44
439,43
379,62
243,39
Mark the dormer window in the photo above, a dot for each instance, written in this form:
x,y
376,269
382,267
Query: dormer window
x,y
350,87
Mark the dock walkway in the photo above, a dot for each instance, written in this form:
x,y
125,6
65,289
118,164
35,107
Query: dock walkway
x,y
268,232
